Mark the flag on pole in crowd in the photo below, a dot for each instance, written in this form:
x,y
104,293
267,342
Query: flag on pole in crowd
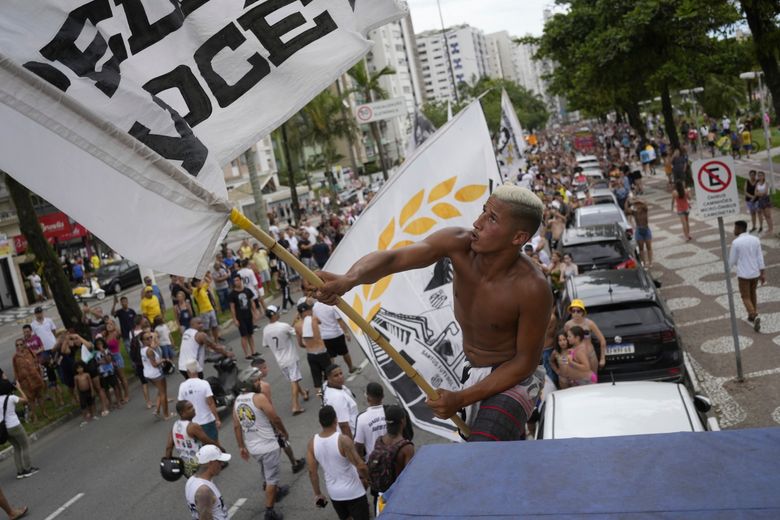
x,y
444,184
510,144
122,114
422,129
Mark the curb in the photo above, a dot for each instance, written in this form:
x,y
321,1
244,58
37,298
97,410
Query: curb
x,y
43,432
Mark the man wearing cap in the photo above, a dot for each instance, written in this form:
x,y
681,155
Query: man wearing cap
x,y
335,333
307,329
243,308
256,423
155,290
280,338
198,392
203,497
501,301
578,313
150,305
44,328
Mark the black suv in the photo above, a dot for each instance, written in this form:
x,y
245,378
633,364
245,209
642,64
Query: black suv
x,y
642,340
115,276
598,247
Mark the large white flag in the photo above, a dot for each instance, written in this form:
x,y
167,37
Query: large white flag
x,y
123,113
444,184
511,144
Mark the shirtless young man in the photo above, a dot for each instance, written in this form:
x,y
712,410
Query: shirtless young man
x,y
644,237
502,303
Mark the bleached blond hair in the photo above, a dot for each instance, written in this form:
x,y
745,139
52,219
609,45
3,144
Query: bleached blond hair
x,y
525,206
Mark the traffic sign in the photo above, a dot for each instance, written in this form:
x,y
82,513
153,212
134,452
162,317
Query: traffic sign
x,y
379,110
716,187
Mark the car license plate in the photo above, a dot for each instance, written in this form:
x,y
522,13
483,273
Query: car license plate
x,y
620,349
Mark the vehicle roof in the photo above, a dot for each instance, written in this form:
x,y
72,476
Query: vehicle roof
x,y
608,286
589,234
587,158
630,408
598,208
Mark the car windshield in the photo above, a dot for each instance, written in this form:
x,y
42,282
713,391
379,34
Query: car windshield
x,y
598,218
619,319
108,270
584,254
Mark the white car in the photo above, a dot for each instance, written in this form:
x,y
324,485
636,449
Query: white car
x,y
602,214
588,161
627,408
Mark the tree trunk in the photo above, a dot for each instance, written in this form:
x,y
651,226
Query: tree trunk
x,y
761,16
261,211
291,176
61,291
635,119
378,141
668,112
350,135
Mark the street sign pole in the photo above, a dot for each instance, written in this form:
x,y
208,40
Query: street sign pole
x,y
717,197
730,292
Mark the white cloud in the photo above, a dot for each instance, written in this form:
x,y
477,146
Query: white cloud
x,y
518,17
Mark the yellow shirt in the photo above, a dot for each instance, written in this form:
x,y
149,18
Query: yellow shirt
x,y
260,259
747,138
150,307
95,262
245,251
201,295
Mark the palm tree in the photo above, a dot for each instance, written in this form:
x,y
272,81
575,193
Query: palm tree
x,y
369,86
325,123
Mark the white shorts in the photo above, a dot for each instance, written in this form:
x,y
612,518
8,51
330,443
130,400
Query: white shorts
x,y
269,466
292,372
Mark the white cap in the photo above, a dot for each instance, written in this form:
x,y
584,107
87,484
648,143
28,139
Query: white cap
x,y
193,366
272,308
210,453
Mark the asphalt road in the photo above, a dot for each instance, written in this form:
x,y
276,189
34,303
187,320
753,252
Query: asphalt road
x,y
108,469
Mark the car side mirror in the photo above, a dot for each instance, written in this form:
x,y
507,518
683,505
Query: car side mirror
x,y
657,284
702,404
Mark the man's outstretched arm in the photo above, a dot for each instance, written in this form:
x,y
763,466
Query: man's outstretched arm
x,y
375,266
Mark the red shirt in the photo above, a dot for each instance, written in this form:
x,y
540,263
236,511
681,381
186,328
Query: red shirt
x,y
34,344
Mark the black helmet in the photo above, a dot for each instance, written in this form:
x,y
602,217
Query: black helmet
x,y
171,468
168,368
303,304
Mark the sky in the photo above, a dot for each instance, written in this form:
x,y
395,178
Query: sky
x,y
518,17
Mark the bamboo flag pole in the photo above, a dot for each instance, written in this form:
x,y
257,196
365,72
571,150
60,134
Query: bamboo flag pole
x,y
237,218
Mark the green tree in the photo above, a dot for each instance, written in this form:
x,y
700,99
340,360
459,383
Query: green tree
x,y
369,86
325,123
68,308
763,18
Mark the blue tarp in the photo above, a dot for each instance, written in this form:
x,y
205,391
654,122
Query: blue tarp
x,y
712,475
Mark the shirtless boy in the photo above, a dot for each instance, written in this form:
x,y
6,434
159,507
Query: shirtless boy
x,y
502,303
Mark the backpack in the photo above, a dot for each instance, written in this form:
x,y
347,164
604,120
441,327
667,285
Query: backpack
x,y
3,427
381,465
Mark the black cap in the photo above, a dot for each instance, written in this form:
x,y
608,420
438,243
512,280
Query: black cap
x,y
38,309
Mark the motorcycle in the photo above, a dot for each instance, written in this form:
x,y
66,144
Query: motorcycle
x,y
223,385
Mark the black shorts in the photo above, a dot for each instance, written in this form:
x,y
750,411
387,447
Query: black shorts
x,y
337,346
85,399
139,373
357,508
109,381
245,327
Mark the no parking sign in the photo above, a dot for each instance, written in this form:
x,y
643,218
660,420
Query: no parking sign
x,y
716,187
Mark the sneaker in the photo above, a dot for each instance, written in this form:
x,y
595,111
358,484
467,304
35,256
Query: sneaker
x,y
757,324
298,465
272,514
281,492
20,475
32,471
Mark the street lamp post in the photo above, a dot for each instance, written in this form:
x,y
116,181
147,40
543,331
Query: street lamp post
x,y
691,92
764,121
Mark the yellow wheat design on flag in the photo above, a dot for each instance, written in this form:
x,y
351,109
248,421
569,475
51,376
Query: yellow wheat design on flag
x,y
413,221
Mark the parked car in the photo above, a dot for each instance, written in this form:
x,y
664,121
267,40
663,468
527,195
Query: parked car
x,y
598,247
602,214
588,161
599,196
643,343
610,410
116,276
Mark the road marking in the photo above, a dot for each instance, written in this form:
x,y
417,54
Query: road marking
x,y
362,365
64,506
235,507
705,320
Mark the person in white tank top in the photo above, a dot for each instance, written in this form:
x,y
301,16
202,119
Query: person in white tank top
x,y
152,371
346,474
194,343
187,437
202,495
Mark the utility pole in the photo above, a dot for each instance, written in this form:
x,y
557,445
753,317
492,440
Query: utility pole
x,y
261,211
449,56
291,176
